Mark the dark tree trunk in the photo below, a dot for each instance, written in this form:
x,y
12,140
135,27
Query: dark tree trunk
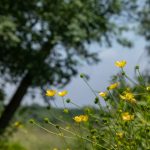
x,y
14,102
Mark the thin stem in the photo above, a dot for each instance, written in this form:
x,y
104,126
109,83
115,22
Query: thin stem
x,y
89,86
141,77
93,91
75,104
77,134
82,140
63,102
66,144
51,131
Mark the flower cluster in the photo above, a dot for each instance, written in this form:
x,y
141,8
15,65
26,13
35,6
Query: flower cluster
x,y
128,96
51,93
127,117
120,135
81,118
116,125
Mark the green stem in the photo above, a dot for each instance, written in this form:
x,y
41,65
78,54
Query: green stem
x,y
51,131
141,77
78,135
93,91
75,104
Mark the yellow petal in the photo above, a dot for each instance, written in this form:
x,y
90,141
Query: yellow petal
x,y
63,93
121,63
103,94
113,86
50,93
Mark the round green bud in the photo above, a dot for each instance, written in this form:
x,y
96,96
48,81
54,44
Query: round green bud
x,y
96,121
68,100
87,110
107,88
66,110
88,136
137,67
48,107
46,120
57,126
82,75
93,131
96,100
31,121
123,73
107,98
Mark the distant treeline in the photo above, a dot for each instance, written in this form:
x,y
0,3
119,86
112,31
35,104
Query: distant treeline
x,y
37,112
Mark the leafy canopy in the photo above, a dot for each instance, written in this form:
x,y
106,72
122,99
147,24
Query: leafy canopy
x,y
49,38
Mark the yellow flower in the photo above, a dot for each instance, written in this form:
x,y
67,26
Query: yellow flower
x,y
119,134
81,118
84,118
62,93
55,148
128,96
127,117
113,86
77,119
148,88
121,63
18,124
103,94
50,93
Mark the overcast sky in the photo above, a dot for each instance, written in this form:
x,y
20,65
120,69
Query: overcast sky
x,y
99,74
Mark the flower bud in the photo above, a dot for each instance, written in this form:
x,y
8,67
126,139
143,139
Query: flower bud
x,y
82,75
66,111
31,121
68,100
137,67
46,120
123,73
57,126
96,100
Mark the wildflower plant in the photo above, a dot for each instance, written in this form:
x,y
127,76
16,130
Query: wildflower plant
x,y
122,124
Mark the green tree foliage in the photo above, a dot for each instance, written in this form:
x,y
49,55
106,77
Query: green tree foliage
x,y
144,24
145,21
43,42
49,37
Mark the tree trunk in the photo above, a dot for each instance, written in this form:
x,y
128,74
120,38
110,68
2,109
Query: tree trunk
x,y
14,102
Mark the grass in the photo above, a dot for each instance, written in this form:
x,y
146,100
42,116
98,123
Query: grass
x,y
33,138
